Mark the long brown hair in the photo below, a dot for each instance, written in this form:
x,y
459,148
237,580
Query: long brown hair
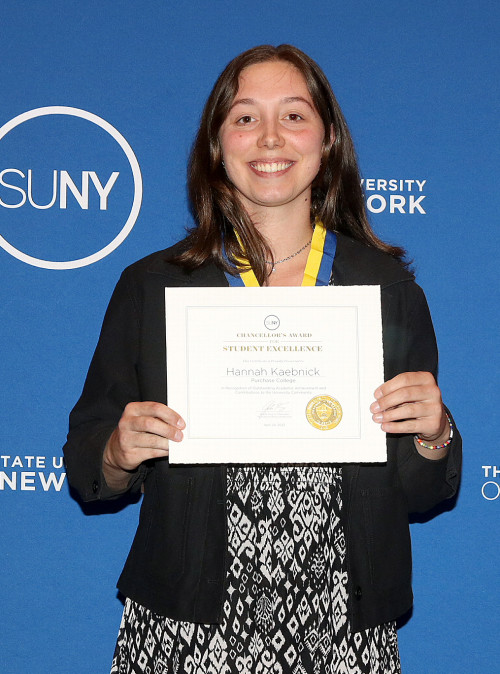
x,y
337,198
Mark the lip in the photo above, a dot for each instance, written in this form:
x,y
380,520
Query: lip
x,y
271,167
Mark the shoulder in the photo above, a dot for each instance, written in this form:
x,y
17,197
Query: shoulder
x,y
359,264
158,268
160,260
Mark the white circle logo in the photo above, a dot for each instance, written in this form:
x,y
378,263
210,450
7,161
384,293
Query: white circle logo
x,y
272,322
137,190
491,494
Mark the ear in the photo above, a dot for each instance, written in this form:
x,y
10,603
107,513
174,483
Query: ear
x,y
329,140
328,143
332,135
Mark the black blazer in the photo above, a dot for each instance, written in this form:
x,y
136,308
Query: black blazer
x,y
176,566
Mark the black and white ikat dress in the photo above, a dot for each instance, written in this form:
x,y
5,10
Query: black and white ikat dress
x,y
285,605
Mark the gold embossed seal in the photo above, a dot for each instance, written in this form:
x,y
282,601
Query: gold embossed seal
x,y
324,412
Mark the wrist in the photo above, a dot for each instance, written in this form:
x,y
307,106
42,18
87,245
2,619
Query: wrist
x,y
439,442
106,456
117,478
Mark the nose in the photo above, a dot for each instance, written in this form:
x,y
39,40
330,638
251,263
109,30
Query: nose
x,y
270,135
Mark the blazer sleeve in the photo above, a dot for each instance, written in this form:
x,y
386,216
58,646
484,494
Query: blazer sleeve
x,y
410,346
111,383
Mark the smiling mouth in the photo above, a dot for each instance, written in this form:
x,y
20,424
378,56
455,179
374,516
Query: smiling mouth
x,y
271,167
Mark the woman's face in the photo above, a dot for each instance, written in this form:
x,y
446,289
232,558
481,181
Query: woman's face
x,y
272,138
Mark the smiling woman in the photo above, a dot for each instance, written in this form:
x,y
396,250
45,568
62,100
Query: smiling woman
x,y
272,568
272,142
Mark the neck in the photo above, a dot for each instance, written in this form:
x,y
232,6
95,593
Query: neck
x,y
285,230
296,269
289,274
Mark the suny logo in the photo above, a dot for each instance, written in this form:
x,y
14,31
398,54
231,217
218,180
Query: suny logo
x,y
82,211
62,184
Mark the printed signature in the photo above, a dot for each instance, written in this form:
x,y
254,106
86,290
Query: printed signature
x,y
274,409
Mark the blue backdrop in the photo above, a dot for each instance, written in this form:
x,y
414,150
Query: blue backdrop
x,y
418,83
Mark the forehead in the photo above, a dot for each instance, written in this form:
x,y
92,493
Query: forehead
x,y
272,80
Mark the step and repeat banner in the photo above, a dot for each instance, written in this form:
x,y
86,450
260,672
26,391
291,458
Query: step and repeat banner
x,y
100,103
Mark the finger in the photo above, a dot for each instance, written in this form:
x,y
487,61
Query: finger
x,y
427,429
131,441
157,410
403,380
412,410
150,425
409,394
417,395
407,427
131,459
126,449
429,426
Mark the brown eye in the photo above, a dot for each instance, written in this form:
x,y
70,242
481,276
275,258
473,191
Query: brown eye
x,y
246,119
294,117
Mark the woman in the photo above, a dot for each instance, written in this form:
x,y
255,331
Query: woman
x,y
276,568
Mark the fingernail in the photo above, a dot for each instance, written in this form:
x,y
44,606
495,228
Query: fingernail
x,y
178,436
378,393
375,407
180,423
378,417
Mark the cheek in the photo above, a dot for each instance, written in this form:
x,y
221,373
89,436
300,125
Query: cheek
x,y
311,144
233,144
314,154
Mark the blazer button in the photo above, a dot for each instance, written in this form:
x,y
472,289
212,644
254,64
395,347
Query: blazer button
x,y
95,486
358,592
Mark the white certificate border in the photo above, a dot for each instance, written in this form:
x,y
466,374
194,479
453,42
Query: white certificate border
x,y
223,451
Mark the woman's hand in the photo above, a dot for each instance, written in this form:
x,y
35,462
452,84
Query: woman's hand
x,y
143,432
411,403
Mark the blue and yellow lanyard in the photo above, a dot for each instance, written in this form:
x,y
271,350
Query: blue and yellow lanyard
x,y
318,266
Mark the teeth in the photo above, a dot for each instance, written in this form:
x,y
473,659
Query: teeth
x,y
272,167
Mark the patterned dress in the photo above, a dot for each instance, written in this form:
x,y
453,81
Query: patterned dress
x,y
285,605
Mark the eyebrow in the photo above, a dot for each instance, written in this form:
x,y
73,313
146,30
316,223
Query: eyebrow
x,y
288,99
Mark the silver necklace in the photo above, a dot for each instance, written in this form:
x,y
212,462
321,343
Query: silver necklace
x,y
285,259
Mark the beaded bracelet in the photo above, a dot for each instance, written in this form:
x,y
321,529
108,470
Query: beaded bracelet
x,y
445,444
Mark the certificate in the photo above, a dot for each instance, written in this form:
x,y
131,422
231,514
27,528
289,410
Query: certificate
x,y
275,375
